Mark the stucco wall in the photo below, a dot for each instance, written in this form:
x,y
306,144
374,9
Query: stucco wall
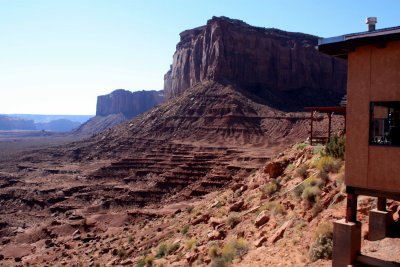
x,y
373,75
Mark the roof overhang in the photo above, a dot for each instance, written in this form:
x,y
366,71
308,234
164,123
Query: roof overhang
x,y
340,46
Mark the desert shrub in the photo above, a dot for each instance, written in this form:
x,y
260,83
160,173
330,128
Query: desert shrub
x,y
340,179
321,247
336,147
140,263
219,262
298,190
185,229
300,146
190,244
301,171
189,209
273,206
121,252
312,181
213,252
328,164
234,248
318,150
317,208
270,188
323,175
165,249
310,194
172,248
233,219
162,250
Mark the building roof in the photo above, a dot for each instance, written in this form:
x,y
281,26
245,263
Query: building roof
x,y
340,46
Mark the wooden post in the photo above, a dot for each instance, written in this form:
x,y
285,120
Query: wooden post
x,y
351,210
329,126
311,133
381,205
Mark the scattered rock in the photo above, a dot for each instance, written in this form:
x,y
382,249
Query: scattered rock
x,y
279,233
216,235
216,221
262,218
126,262
201,219
192,256
260,241
275,168
114,252
237,205
75,217
236,186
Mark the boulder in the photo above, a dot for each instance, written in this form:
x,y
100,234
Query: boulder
x,y
275,168
262,218
236,206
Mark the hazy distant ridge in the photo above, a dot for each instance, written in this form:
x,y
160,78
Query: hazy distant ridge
x,y
53,123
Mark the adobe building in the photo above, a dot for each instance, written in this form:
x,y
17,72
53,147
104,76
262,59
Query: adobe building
x,y
372,134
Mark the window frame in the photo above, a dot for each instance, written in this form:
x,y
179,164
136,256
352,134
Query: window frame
x,y
387,104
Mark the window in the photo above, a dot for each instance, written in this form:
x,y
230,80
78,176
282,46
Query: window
x,y
385,123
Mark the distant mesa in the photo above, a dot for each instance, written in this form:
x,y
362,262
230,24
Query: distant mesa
x,y
130,104
282,68
120,105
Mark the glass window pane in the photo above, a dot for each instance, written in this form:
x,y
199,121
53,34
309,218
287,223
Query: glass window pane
x,y
385,123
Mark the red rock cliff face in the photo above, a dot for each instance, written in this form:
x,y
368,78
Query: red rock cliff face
x,y
282,68
128,103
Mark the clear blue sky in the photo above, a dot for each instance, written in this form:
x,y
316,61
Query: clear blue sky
x,y
57,56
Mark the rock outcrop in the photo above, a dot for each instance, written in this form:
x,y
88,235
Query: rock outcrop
x,y
283,68
128,103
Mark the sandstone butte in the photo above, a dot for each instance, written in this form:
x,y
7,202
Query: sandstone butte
x,y
184,183
283,68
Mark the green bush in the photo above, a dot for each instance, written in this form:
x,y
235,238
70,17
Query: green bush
x,y
300,146
270,188
301,171
185,229
321,248
298,190
162,250
318,150
233,219
311,194
323,175
328,164
190,244
145,261
234,248
166,249
213,252
336,147
274,207
312,181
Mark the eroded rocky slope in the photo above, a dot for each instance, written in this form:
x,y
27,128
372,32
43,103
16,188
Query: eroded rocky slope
x,y
208,136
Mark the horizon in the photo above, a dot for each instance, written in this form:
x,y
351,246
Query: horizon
x,y
57,57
